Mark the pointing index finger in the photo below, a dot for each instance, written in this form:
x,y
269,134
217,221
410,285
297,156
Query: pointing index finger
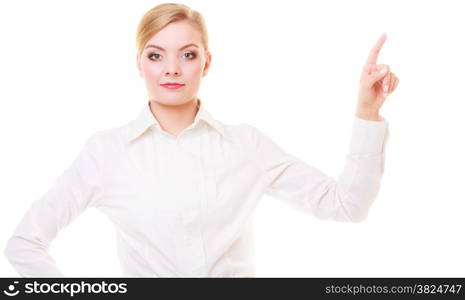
x,y
373,56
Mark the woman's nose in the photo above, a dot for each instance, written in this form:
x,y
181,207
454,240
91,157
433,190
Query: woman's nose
x,y
172,68
175,73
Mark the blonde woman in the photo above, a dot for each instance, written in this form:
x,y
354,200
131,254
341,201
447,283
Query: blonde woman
x,y
180,186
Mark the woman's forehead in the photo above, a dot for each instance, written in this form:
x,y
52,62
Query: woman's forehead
x,y
179,30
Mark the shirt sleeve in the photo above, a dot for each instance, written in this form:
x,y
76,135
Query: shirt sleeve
x,y
306,188
77,188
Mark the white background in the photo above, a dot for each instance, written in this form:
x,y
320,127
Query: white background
x,y
290,68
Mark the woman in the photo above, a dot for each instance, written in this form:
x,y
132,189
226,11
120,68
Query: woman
x,y
180,186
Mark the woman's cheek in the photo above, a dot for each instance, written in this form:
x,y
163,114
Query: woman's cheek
x,y
151,71
193,73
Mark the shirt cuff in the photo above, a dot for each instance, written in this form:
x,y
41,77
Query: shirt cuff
x,y
368,137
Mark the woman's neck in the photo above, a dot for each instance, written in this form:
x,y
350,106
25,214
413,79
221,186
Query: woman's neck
x,y
174,118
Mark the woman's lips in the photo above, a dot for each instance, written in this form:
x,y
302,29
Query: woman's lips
x,y
172,85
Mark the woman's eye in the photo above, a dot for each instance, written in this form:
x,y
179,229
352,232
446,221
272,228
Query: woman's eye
x,y
192,53
151,55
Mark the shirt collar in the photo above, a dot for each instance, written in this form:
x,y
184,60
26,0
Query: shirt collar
x,y
146,119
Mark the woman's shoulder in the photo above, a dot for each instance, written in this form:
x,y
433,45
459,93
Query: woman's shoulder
x,y
107,137
242,132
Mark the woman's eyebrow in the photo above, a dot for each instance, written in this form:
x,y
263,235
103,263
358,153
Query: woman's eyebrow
x,y
158,47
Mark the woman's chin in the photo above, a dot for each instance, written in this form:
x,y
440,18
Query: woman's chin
x,y
171,101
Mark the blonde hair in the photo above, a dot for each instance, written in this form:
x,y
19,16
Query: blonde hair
x,y
161,15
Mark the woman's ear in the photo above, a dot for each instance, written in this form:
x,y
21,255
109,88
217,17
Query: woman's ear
x,y
138,66
207,64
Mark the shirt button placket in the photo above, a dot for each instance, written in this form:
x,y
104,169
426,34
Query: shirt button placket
x,y
195,259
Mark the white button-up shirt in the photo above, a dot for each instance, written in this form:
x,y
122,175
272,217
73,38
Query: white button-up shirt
x,y
183,205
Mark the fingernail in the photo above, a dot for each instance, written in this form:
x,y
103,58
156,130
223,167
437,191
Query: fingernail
x,y
385,88
383,70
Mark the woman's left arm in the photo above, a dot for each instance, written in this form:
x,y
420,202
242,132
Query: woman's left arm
x,y
350,196
346,198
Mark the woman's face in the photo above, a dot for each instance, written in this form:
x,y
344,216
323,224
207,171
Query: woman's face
x,y
166,58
